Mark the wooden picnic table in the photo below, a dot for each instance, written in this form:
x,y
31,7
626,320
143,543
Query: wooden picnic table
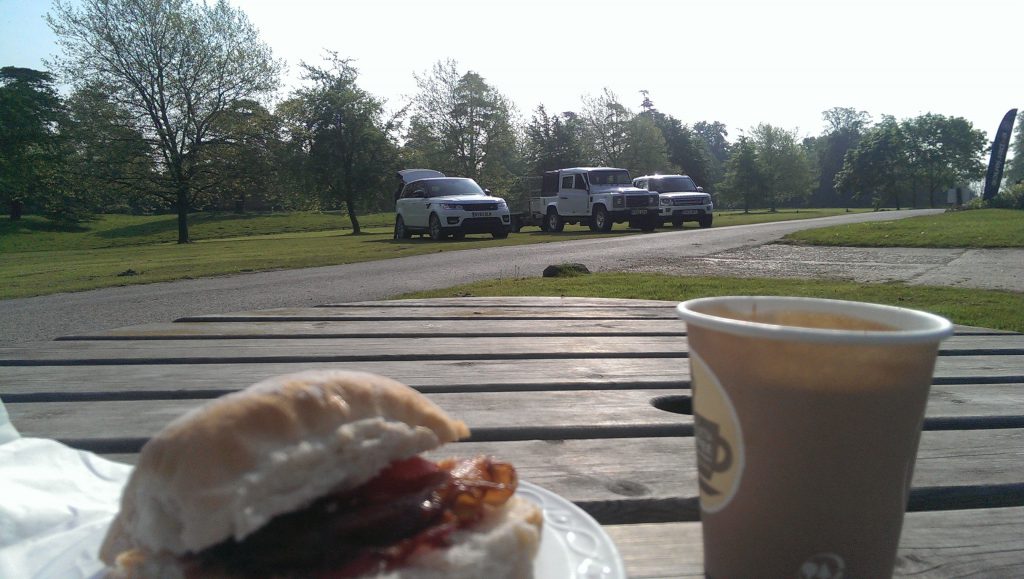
x,y
589,398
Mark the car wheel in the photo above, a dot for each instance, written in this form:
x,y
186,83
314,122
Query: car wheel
x,y
436,231
555,223
499,233
400,231
705,222
600,219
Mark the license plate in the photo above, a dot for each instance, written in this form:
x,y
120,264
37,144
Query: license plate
x,y
638,212
482,214
690,211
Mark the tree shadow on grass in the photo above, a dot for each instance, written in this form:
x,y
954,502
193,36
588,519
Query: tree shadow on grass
x,y
29,224
169,224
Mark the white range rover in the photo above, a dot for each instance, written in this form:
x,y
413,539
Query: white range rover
x,y
431,203
680,199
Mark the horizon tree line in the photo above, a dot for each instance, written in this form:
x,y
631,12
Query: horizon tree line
x,y
169,111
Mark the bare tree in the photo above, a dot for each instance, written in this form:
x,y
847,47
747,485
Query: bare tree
x,y
175,65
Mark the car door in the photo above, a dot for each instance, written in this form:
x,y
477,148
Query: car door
x,y
573,197
415,208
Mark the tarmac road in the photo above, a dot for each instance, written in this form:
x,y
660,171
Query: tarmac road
x,y
741,250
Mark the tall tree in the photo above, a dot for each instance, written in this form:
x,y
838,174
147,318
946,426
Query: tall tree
x,y
878,166
646,151
242,159
687,151
943,152
109,161
742,184
843,129
176,65
606,121
348,139
715,135
553,141
783,165
463,125
30,115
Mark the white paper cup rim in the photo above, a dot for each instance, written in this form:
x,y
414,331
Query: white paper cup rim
x,y
909,326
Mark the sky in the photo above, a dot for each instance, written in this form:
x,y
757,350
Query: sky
x,y
735,61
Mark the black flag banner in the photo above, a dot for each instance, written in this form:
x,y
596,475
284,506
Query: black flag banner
x,y
995,163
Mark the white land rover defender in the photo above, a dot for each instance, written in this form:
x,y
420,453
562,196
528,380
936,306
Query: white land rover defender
x,y
681,199
430,203
594,196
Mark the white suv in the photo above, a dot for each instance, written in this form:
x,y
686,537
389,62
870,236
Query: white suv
x,y
680,199
449,206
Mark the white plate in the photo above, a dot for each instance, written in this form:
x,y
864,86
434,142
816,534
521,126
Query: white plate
x,y
573,545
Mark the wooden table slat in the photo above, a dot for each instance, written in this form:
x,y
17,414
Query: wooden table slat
x,y
962,543
564,388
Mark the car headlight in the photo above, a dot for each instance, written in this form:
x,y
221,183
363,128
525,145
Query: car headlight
x,y
654,199
618,201
451,206
666,201
501,203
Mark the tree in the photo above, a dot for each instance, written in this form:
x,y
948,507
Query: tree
x,y
553,141
843,129
109,161
686,149
782,164
606,122
645,151
463,126
714,135
241,163
878,165
742,184
30,115
349,144
1015,170
175,65
943,152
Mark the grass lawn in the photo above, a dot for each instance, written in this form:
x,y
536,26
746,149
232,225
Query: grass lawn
x,y
37,259
972,307
975,228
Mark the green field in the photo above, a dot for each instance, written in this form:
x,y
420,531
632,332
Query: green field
x,y
975,229
38,259
972,307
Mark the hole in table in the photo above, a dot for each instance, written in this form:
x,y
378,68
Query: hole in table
x,y
678,404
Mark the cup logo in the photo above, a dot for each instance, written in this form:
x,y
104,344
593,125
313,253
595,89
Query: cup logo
x,y
719,441
713,452
823,566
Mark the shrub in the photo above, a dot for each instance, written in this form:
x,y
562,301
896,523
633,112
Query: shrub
x,y
1012,198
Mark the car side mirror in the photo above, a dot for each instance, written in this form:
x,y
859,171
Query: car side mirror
x,y
699,188
487,192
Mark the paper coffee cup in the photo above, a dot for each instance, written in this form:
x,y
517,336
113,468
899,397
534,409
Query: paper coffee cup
x,y
807,416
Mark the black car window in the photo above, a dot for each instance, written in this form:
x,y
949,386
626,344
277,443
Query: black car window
x,y
443,187
675,185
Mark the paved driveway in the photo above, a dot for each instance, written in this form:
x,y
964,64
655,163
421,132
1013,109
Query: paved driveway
x,y
743,250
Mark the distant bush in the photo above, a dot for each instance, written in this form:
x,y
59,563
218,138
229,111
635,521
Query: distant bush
x,y
1012,198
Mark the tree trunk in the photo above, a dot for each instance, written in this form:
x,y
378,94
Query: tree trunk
x,y
350,207
182,203
16,207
